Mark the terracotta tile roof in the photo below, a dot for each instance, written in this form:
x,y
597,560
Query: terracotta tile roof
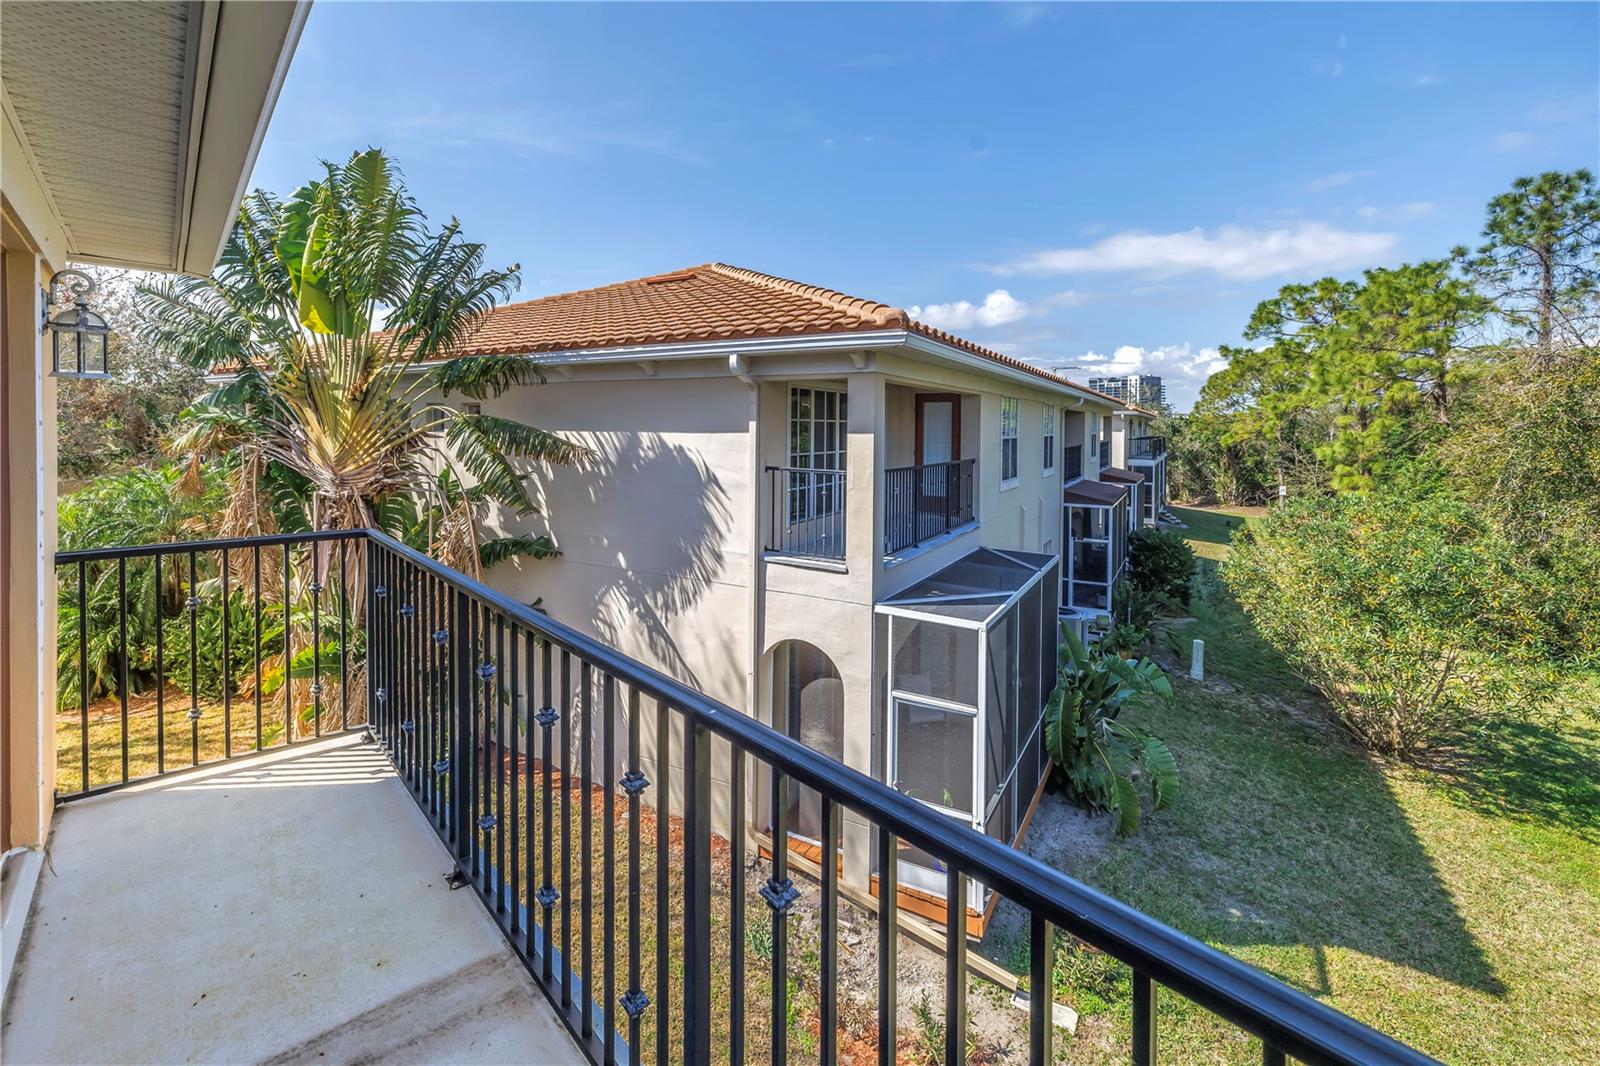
x,y
710,302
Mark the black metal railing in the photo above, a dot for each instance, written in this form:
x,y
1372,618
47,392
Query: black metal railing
x,y
1074,462
807,512
515,734
445,677
927,501
1105,454
1147,447
170,656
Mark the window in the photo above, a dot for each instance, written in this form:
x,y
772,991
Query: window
x,y
1049,438
1010,424
814,483
473,408
817,420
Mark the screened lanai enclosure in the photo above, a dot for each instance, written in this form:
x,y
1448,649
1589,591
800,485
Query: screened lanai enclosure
x,y
1096,525
970,663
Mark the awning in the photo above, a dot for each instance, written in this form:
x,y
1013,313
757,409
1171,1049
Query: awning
x,y
1120,476
975,588
1093,494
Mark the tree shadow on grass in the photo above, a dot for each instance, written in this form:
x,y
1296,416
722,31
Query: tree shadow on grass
x,y
1530,771
1285,835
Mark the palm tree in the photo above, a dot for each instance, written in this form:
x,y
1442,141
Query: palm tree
x,y
338,311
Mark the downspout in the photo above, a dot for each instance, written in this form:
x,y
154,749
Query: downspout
x,y
739,367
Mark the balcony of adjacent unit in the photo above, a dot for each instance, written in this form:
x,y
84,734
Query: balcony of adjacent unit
x,y
326,799
1147,455
930,485
805,493
1147,447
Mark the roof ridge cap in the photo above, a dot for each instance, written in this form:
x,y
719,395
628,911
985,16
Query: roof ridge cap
x,y
879,314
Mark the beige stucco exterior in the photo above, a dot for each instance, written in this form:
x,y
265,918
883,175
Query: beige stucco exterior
x,y
663,534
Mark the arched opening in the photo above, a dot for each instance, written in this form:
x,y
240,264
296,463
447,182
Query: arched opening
x,y
808,705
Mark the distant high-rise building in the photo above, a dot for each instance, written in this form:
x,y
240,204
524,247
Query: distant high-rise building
x,y
1143,390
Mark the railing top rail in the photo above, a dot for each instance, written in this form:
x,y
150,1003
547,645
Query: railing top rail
x,y
805,469
183,547
1288,1018
930,466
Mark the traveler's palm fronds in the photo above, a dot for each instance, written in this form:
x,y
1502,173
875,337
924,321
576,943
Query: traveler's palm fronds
x,y
339,311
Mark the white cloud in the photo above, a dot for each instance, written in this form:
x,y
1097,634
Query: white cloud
x,y
998,309
1510,141
1238,252
1183,367
1563,111
1414,209
1067,298
1336,179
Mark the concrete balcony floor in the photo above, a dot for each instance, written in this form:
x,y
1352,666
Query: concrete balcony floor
x,y
288,908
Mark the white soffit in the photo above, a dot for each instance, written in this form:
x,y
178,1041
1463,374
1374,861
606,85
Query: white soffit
x,y
141,121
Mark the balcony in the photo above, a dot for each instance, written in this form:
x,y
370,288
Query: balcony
x,y
807,516
232,886
1147,447
923,502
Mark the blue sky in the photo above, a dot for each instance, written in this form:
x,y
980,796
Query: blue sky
x,y
1104,185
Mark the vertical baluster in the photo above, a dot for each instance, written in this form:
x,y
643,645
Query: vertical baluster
x,y
955,973
586,826
316,639
547,888
888,945
416,680
161,677
344,641
83,668
608,864
736,890
459,670
663,865
194,664
288,652
566,829
498,740
1144,1020
529,822
697,896
1041,995
780,894
480,723
514,837
122,655
255,566
469,722
634,1001
830,932
432,649
227,672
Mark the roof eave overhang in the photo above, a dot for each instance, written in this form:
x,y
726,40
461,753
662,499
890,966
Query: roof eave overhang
x,y
250,46
851,340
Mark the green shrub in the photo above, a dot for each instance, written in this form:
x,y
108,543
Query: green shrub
x,y
1410,616
1161,561
1099,758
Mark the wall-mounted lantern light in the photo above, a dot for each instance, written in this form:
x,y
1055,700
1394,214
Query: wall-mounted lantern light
x,y
78,335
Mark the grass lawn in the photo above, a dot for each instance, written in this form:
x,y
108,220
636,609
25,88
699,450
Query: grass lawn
x,y
1456,907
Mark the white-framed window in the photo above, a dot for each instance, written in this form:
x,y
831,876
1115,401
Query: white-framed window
x,y
1049,439
1010,428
